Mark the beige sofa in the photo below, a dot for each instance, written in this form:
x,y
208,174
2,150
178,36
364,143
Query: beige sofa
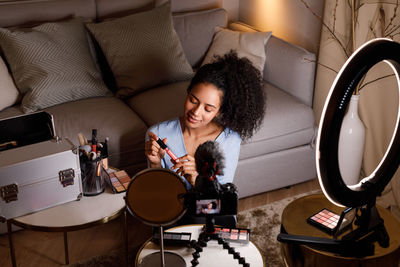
x,y
279,155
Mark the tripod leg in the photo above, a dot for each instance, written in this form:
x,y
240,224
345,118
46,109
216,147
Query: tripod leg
x,y
382,235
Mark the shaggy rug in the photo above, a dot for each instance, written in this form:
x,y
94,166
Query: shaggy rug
x,y
263,222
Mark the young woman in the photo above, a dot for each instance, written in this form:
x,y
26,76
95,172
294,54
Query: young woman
x,y
225,103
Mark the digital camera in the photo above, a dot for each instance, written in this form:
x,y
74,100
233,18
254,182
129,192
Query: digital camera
x,y
223,201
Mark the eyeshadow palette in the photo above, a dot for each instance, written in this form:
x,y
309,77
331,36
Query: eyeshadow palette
x,y
173,239
238,235
119,181
331,222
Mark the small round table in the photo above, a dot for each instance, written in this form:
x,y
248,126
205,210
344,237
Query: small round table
x,y
73,216
213,254
294,221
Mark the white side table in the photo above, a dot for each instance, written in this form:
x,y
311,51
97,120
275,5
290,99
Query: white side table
x,y
213,254
73,216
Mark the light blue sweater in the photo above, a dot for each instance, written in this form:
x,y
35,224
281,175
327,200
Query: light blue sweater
x,y
229,143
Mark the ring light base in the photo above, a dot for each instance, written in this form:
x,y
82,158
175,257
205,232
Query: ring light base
x,y
171,260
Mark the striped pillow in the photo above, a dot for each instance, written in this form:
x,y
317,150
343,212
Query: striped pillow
x,y
51,64
142,50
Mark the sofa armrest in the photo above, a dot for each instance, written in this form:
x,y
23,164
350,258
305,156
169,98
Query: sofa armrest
x,y
287,66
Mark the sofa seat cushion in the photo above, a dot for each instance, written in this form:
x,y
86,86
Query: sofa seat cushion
x,y
161,103
112,118
288,123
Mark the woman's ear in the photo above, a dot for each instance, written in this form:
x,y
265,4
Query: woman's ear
x,y
217,118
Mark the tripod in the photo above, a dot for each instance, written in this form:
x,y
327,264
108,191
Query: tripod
x,y
209,234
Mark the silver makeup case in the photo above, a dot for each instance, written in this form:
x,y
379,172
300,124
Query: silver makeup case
x,y
37,176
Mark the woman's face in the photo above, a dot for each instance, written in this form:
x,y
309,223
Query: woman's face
x,y
202,105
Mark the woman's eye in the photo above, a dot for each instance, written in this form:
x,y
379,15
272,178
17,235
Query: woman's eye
x,y
192,100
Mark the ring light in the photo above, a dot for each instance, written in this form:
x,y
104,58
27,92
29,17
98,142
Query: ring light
x,y
330,179
369,226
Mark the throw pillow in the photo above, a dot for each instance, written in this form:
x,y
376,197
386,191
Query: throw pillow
x,y
143,50
9,93
51,64
246,44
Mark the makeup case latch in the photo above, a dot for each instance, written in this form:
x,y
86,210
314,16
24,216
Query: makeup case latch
x,y
67,177
9,192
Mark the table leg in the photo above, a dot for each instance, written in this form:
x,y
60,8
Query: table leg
x,y
12,252
66,248
125,237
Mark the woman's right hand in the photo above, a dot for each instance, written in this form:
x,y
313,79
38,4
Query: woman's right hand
x,y
153,151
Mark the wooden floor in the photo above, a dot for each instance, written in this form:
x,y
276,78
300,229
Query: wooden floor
x,y
47,249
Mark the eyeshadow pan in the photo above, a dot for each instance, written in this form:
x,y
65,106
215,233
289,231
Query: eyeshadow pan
x,y
234,236
325,219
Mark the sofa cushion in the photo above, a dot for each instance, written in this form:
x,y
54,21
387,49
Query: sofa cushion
x,y
56,67
112,118
142,49
9,93
247,44
196,31
288,123
16,13
161,103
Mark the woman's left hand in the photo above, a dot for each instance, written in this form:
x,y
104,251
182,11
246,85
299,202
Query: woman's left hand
x,y
186,167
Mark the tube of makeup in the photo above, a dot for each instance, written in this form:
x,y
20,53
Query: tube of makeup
x,y
94,140
169,152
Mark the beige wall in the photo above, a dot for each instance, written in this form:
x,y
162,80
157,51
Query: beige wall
x,y
287,19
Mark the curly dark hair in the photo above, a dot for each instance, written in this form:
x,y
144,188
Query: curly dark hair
x,y
243,101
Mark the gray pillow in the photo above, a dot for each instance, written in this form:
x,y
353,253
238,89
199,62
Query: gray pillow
x,y
143,50
51,64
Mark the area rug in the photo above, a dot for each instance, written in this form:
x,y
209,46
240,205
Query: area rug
x,y
263,222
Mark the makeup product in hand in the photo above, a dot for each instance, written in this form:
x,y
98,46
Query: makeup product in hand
x,y
94,140
173,239
237,235
119,181
169,152
331,222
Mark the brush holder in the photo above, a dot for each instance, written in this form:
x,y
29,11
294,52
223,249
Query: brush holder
x,y
93,177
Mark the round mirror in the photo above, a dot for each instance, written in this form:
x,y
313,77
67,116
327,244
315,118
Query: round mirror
x,y
155,196
330,179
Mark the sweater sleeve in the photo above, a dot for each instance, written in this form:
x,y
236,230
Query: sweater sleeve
x,y
230,145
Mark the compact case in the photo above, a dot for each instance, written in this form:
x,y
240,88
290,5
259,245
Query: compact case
x,y
38,176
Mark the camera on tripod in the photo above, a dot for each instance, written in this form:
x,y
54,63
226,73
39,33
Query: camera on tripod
x,y
223,201
208,197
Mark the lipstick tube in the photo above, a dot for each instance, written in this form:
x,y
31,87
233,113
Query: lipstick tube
x,y
169,152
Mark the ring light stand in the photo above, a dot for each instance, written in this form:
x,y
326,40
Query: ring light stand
x,y
358,243
152,197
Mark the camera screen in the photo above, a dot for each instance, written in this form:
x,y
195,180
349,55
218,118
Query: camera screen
x,y
208,206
